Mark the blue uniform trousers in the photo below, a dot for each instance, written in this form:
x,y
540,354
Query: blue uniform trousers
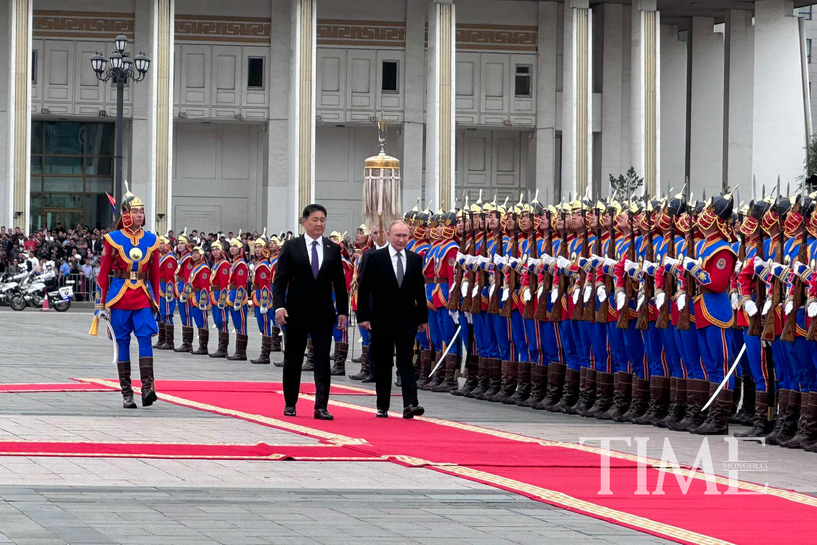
x,y
166,310
569,341
501,327
465,339
687,343
673,356
142,323
184,317
422,340
340,335
585,345
534,341
634,345
801,359
756,357
434,330
447,328
602,355
551,337
716,352
615,338
239,318
221,316
737,344
654,350
485,335
782,366
264,321
520,340
199,316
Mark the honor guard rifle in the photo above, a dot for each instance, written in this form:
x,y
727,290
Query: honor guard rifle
x,y
643,321
547,279
530,306
493,302
685,315
455,299
471,247
769,323
556,312
590,313
480,277
624,312
578,309
662,320
507,308
790,327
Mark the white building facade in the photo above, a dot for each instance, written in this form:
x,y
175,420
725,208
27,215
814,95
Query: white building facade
x,y
252,109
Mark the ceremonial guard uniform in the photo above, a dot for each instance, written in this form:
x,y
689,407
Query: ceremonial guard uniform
x,y
185,267
167,292
444,261
274,246
132,298
237,298
363,243
219,289
198,300
341,336
262,297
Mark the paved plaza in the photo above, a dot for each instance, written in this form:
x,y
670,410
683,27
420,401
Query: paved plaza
x,y
50,500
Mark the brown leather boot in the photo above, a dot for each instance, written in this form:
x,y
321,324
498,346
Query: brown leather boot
x,y
640,401
717,421
161,339
523,386
276,339
309,361
146,375
808,432
481,377
364,365
582,382
339,366
266,348
746,413
570,391
622,397
187,340
538,385
789,420
204,338
170,341
762,424
587,396
697,396
240,349
509,381
471,370
646,418
449,382
223,344
426,357
604,394
123,367
494,379
556,379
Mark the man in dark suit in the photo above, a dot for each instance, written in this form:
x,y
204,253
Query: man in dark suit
x,y
308,269
392,303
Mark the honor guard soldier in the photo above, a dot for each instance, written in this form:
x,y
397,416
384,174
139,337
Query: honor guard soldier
x,y
198,300
274,248
185,267
167,292
363,243
237,297
262,296
219,290
341,336
130,301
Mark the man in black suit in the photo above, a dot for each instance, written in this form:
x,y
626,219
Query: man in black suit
x,y
392,303
308,269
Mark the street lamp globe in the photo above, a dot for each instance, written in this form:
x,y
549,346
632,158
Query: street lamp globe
x,y
99,63
121,43
126,63
141,62
116,60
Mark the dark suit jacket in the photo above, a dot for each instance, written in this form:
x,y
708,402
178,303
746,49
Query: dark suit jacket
x,y
296,289
380,301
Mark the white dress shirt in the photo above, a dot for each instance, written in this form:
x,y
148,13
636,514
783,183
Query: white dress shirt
x,y
393,254
309,240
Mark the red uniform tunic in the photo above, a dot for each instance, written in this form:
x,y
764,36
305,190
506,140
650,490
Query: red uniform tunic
x,y
114,261
445,261
167,272
185,267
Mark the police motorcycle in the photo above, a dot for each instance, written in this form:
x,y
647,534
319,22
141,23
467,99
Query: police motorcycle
x,y
34,288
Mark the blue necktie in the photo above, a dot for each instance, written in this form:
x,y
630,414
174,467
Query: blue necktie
x,y
315,266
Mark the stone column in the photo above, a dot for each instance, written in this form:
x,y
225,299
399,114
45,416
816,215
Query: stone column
x,y
414,92
577,133
706,109
281,208
645,102
301,183
779,135
673,109
440,146
738,84
163,38
546,102
614,122
17,115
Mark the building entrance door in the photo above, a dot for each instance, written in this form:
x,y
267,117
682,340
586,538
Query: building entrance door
x,y
68,218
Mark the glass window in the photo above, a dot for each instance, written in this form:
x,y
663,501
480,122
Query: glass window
x,y
255,72
52,200
99,165
389,80
63,184
808,51
99,138
36,184
36,137
99,185
804,12
36,164
63,138
63,165
522,81
36,211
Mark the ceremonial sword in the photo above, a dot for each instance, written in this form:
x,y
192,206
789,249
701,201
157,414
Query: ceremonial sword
x,y
726,378
453,339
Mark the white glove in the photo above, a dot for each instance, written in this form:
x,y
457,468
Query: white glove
x,y
639,301
562,262
689,261
263,310
738,266
470,260
788,307
750,307
601,293
505,294
588,292
812,309
610,262
513,261
469,317
670,261
539,291
532,262
682,301
660,299
554,295
735,300
455,314
621,298
491,291
760,263
630,265
452,288
475,291
526,295
498,259
575,296
464,289
460,256
236,307
548,260
767,306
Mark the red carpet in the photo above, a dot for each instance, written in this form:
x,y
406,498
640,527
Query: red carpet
x,y
178,386
50,387
564,475
259,451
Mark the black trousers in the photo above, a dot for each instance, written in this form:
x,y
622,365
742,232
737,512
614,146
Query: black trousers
x,y
295,338
383,347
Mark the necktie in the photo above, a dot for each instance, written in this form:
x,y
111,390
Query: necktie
x,y
399,269
315,266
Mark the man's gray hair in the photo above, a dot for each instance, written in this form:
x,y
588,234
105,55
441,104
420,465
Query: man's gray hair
x,y
395,222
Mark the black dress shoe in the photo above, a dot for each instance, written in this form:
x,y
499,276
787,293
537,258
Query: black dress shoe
x,y
289,411
413,410
323,414
382,414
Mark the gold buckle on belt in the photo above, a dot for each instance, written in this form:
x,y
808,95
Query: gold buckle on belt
x,y
134,275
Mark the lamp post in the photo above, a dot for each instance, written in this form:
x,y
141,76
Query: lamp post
x,y
120,67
